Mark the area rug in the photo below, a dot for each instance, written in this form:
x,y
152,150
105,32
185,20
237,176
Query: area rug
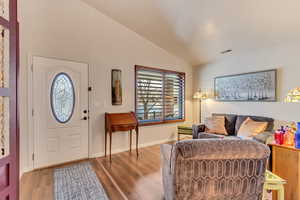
x,y
78,182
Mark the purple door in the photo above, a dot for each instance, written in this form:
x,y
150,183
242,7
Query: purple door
x,y
9,138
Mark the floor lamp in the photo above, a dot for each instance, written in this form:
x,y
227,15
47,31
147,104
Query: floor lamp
x,y
200,96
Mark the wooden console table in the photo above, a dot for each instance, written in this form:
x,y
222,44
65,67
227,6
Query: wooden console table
x,y
286,164
121,122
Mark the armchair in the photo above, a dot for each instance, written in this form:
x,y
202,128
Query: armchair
x,y
214,169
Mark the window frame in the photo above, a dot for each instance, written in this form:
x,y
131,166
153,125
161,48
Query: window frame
x,y
163,71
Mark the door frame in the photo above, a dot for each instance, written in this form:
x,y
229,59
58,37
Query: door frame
x,y
12,160
30,106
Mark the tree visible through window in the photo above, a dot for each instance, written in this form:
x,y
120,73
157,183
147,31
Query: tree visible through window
x,y
159,95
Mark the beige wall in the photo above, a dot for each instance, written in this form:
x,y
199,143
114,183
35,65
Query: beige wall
x,y
284,57
70,29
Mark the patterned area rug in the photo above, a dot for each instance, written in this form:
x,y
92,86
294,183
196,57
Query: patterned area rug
x,y
78,182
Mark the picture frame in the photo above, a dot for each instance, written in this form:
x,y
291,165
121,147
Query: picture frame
x,y
116,86
259,86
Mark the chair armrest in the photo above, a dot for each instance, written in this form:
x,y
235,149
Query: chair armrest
x,y
265,137
166,151
168,176
197,129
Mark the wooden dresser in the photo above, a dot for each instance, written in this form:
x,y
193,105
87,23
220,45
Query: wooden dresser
x,y
286,164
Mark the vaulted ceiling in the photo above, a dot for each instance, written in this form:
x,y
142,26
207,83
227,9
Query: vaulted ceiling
x,y
198,30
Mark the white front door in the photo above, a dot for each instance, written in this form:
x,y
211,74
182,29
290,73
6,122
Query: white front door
x,y
60,111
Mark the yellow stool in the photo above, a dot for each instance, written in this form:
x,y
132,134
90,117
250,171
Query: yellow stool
x,y
274,182
185,129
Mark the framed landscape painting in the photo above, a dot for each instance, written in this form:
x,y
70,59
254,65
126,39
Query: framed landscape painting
x,y
253,86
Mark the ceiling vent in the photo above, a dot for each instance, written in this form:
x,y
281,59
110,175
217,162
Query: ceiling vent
x,y
226,51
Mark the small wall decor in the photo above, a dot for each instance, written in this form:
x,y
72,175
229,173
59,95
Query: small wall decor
x,y
116,86
253,86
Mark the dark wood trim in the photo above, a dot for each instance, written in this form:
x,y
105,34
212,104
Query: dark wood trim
x,y
11,192
5,193
4,92
163,95
17,123
140,67
162,122
4,161
4,22
184,103
14,137
135,90
155,69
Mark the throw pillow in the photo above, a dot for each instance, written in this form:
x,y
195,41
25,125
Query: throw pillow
x,y
216,124
250,128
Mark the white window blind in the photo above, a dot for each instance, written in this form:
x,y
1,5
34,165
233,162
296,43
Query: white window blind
x,y
159,95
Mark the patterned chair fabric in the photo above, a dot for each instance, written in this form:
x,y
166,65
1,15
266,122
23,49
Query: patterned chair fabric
x,y
209,169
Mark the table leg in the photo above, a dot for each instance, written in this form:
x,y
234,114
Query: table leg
x,y
105,138
130,140
137,142
110,142
281,193
264,193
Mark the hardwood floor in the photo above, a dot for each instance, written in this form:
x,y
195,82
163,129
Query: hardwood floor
x,y
125,178
137,178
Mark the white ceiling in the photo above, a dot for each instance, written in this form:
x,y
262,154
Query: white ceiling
x,y
198,30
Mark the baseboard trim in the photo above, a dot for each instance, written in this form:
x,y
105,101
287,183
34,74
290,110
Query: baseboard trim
x,y
115,151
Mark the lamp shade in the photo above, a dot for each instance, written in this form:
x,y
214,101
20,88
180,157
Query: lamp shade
x,y
293,96
200,95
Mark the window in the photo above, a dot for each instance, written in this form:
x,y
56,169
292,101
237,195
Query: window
x,y
62,97
159,95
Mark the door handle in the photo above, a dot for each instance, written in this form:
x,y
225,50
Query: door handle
x,y
84,118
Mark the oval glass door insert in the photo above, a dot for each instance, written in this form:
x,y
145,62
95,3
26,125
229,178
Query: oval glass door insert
x,y
62,97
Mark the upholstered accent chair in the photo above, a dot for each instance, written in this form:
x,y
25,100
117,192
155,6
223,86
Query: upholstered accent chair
x,y
210,169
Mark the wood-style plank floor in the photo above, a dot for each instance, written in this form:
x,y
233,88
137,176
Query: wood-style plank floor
x,y
125,178
136,178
